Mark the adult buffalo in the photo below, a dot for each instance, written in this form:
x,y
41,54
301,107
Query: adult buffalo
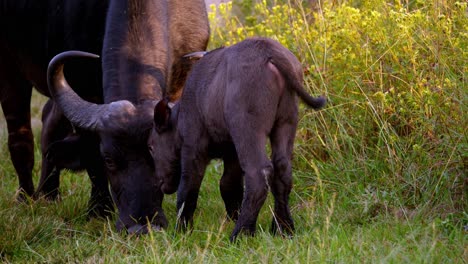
x,y
32,32
141,60
144,40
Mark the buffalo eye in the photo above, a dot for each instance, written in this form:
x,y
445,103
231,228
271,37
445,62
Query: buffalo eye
x,y
110,164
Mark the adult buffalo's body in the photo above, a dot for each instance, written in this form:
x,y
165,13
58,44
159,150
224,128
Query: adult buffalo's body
x,y
32,32
234,100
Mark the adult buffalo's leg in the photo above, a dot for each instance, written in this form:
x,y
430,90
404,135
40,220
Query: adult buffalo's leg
x,y
282,141
232,185
193,168
100,203
15,98
257,171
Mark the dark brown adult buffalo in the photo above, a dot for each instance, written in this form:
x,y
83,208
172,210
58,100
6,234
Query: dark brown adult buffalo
x,y
234,100
141,60
32,32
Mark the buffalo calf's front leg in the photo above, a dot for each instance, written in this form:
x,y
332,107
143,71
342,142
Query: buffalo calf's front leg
x,y
193,167
256,191
257,170
232,185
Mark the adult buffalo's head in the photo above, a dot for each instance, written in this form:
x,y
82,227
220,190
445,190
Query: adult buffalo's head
x,y
123,129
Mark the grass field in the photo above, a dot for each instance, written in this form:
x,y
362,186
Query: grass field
x,y
380,174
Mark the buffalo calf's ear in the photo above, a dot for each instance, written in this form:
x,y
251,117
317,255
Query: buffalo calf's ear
x,y
162,114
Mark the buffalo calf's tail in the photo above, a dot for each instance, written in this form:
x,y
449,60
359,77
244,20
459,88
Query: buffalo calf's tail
x,y
291,69
314,102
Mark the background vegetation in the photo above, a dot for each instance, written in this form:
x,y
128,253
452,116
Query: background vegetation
x,y
380,174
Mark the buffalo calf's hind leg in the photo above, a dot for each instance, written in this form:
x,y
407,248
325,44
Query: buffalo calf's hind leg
x,y
257,169
282,140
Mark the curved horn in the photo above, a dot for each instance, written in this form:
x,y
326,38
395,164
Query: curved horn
x,y
81,113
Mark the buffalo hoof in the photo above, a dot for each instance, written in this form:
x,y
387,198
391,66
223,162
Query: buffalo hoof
x,y
160,220
284,229
241,231
49,196
139,229
23,196
100,211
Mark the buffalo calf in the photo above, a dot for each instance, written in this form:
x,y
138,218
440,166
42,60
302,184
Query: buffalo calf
x,y
234,99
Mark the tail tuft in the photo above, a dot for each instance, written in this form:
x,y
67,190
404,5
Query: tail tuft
x,y
315,102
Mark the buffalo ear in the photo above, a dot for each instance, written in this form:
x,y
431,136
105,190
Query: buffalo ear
x,y
65,153
162,115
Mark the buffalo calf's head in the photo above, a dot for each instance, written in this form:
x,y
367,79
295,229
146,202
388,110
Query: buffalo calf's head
x,y
164,146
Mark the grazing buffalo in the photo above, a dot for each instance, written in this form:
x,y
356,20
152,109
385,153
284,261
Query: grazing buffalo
x,y
142,44
143,47
32,32
234,99
141,60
